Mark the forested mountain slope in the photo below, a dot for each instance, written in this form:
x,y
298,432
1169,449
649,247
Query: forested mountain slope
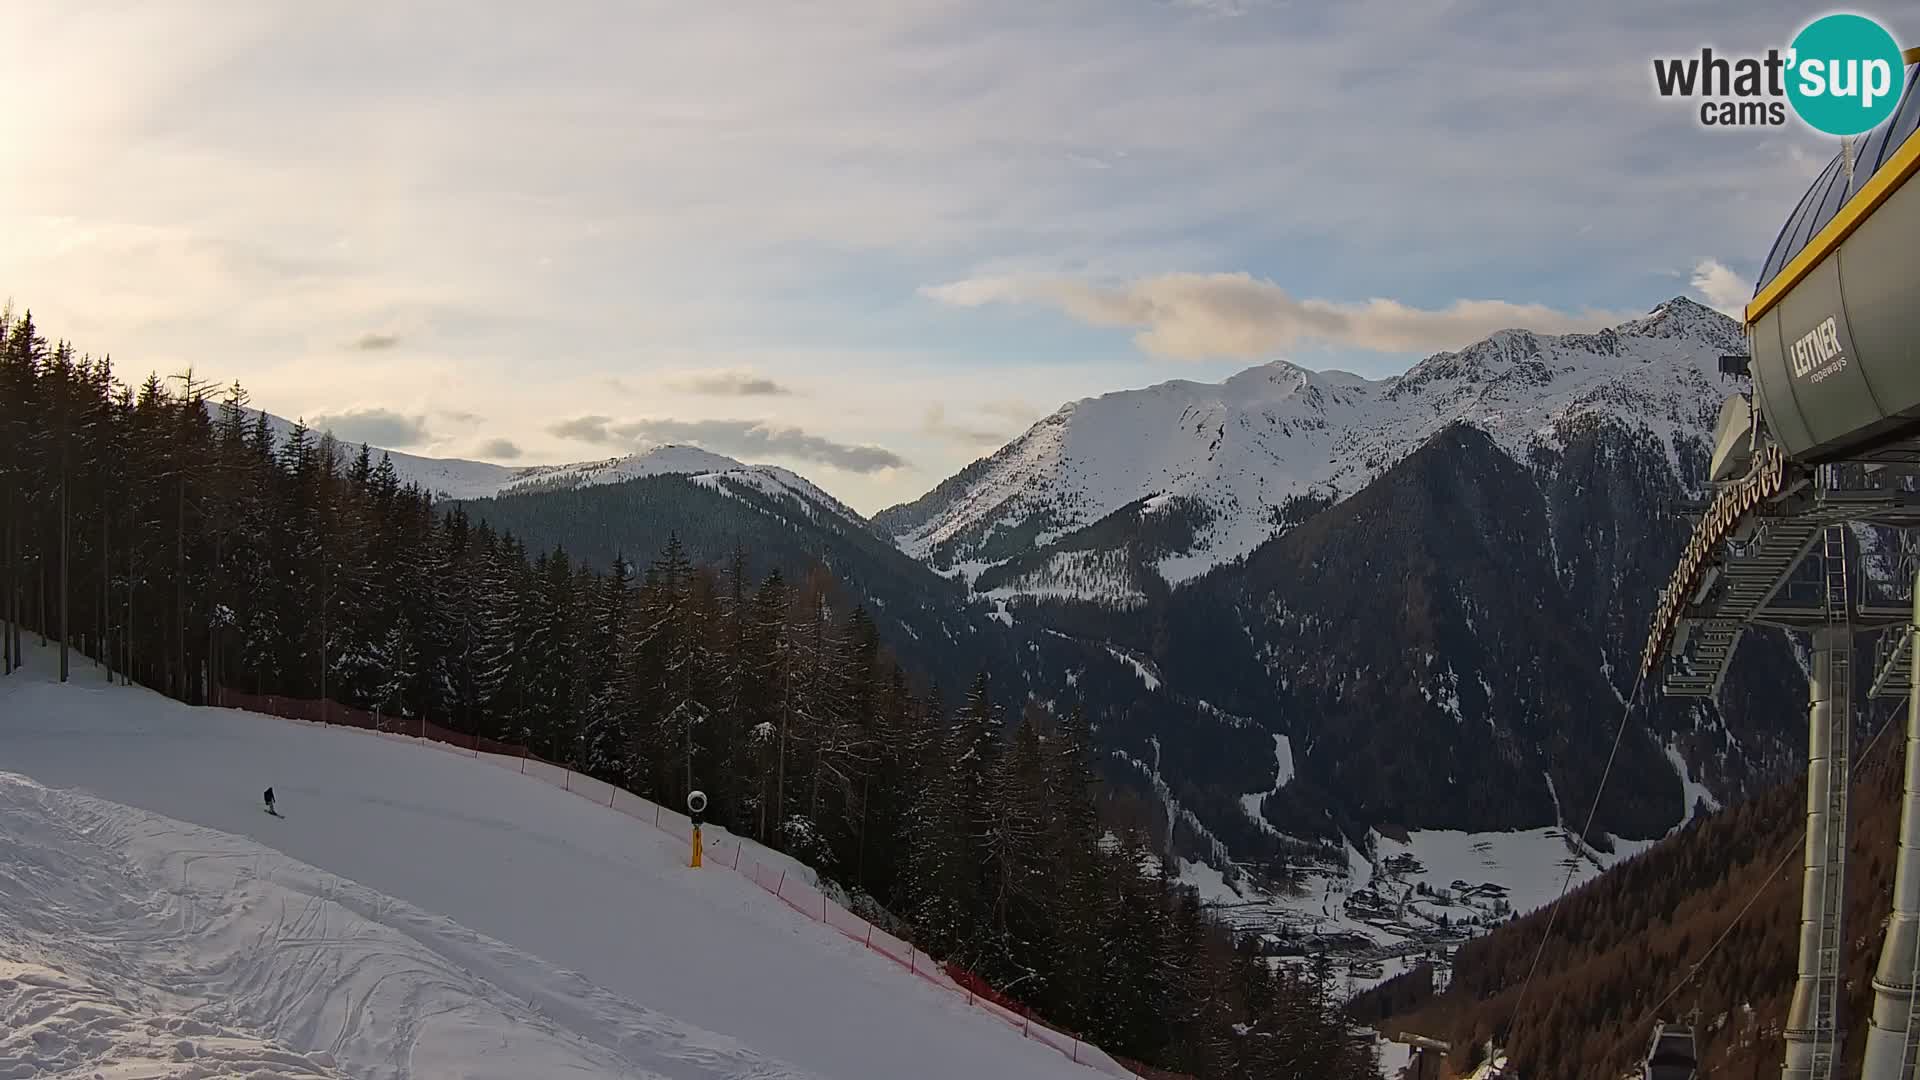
x,y
718,515
1625,941
1449,647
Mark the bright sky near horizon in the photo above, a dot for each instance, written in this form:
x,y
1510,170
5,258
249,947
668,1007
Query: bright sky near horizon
x,y
867,239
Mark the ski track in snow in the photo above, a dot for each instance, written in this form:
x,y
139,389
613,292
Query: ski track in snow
x,y
162,943
417,915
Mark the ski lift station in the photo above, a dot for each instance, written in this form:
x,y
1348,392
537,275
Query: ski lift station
x,y
1823,435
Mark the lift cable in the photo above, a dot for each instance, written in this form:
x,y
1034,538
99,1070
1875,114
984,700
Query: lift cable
x,y
1796,848
1573,864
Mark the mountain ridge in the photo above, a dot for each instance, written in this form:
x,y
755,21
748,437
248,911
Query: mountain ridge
x,y
1240,449
460,479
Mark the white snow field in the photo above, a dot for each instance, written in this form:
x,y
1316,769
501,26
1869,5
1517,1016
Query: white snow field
x,y
416,914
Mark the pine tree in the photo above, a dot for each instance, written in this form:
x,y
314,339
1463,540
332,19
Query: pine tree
x,y
941,880
499,597
1014,859
606,737
980,726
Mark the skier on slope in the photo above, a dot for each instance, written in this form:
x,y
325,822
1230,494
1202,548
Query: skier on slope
x,y
270,808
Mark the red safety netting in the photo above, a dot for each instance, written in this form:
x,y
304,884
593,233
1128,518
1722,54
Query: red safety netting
x,y
724,850
893,948
978,987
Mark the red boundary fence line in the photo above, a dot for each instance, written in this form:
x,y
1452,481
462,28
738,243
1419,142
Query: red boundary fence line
x,y
801,897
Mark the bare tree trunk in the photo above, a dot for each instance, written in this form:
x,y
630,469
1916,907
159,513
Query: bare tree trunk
x,y
65,579
813,796
780,774
213,620
180,583
126,633
106,588
860,860
66,509
6,584
19,601
325,578
7,663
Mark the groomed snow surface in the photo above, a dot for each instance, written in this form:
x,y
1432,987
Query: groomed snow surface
x,y
416,914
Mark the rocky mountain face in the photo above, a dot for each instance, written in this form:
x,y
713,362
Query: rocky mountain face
x,y
1451,648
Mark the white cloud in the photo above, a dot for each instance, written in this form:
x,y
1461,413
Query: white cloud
x,y
1722,289
964,434
755,186
374,341
499,450
750,439
1205,316
375,427
732,383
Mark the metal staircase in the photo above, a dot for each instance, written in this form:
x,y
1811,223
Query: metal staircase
x,y
1831,959
1746,582
1893,676
1745,579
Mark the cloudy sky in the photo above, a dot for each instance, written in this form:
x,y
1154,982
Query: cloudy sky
x,y
868,239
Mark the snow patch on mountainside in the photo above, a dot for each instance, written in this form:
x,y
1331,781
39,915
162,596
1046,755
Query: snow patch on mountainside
x,y
1208,882
1145,673
1692,790
1243,448
1529,866
1102,577
1283,773
1216,851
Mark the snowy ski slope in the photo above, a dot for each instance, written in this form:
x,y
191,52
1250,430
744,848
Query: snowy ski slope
x,y
416,914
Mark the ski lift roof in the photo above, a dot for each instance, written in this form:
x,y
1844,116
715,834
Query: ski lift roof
x,y
1833,325
1833,190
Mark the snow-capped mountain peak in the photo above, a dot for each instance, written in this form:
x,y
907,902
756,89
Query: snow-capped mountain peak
x,y
1686,319
702,466
1237,452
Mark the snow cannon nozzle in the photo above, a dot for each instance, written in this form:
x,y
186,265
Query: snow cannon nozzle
x,y
696,804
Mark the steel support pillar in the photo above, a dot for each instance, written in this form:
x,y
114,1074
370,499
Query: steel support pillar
x,y
1813,1034
1894,1037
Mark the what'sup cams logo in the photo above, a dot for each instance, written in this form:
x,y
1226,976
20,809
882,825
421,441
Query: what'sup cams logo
x,y
1842,75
